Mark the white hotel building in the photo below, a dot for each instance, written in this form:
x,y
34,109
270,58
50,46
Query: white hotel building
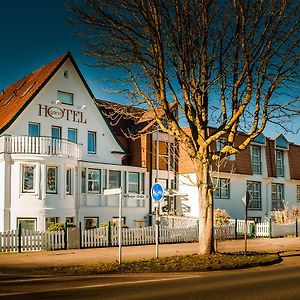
x,y
58,154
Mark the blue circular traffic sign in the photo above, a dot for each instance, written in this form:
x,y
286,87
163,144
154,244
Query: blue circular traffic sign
x,y
157,192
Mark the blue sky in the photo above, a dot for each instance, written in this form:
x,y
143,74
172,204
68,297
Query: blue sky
x,y
34,32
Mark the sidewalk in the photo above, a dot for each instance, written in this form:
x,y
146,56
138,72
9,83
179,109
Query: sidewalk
x,y
32,260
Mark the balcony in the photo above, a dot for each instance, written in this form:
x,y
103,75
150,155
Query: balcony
x,y
39,145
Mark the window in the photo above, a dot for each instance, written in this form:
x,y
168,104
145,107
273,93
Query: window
x,y
28,179
279,163
104,179
70,219
220,143
254,189
50,221
142,183
83,180
93,181
65,98
115,221
34,129
221,188
72,135
91,142
298,192
91,223
256,159
27,223
133,183
277,196
114,179
51,186
56,132
69,182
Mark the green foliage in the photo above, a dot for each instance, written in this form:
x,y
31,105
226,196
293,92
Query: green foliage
x,y
59,226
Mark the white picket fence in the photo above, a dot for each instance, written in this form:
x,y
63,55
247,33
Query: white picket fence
x,y
102,237
138,236
276,230
29,240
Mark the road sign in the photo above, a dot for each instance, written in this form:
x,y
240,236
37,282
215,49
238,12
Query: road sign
x,y
107,192
157,192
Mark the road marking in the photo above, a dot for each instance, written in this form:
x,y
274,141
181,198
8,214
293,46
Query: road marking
x,y
98,285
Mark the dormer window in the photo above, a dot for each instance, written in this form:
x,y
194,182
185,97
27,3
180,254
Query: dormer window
x,y
65,98
279,163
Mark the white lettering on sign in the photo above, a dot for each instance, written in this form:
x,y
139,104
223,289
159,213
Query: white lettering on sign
x,y
61,113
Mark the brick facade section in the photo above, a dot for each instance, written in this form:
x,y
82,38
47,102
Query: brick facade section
x,y
294,161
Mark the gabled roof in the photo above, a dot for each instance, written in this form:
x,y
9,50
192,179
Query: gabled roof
x,y
15,98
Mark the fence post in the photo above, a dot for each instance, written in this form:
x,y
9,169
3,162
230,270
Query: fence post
x,y
80,235
270,228
65,235
19,238
296,227
235,229
109,234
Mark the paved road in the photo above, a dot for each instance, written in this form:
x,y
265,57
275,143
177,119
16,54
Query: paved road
x,y
279,281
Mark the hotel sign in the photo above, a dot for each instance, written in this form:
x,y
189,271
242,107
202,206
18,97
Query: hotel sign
x,y
55,112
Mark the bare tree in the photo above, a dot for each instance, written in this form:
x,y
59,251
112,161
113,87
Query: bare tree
x,y
229,64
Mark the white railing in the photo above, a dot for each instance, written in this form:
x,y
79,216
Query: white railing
x,y
30,240
39,145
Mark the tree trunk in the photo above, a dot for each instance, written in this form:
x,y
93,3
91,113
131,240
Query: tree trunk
x,y
205,200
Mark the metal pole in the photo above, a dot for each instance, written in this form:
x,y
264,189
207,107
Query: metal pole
x,y
157,156
120,226
157,231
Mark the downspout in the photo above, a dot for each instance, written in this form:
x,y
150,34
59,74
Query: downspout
x,y
150,178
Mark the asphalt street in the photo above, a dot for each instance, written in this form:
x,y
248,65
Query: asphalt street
x,y
280,281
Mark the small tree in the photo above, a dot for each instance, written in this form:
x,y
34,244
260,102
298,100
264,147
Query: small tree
x,y
232,64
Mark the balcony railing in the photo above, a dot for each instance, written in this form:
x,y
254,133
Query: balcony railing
x,y
39,145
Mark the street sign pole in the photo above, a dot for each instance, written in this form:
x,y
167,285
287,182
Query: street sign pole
x,y
157,194
120,226
246,218
157,230
117,191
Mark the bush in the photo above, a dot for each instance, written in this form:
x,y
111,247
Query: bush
x,y
221,217
59,226
287,215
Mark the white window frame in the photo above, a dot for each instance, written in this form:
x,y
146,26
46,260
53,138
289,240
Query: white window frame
x,y
254,189
135,183
110,181
279,158
48,191
69,181
221,184
277,196
33,179
27,219
38,126
76,135
62,93
256,159
94,134
93,181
